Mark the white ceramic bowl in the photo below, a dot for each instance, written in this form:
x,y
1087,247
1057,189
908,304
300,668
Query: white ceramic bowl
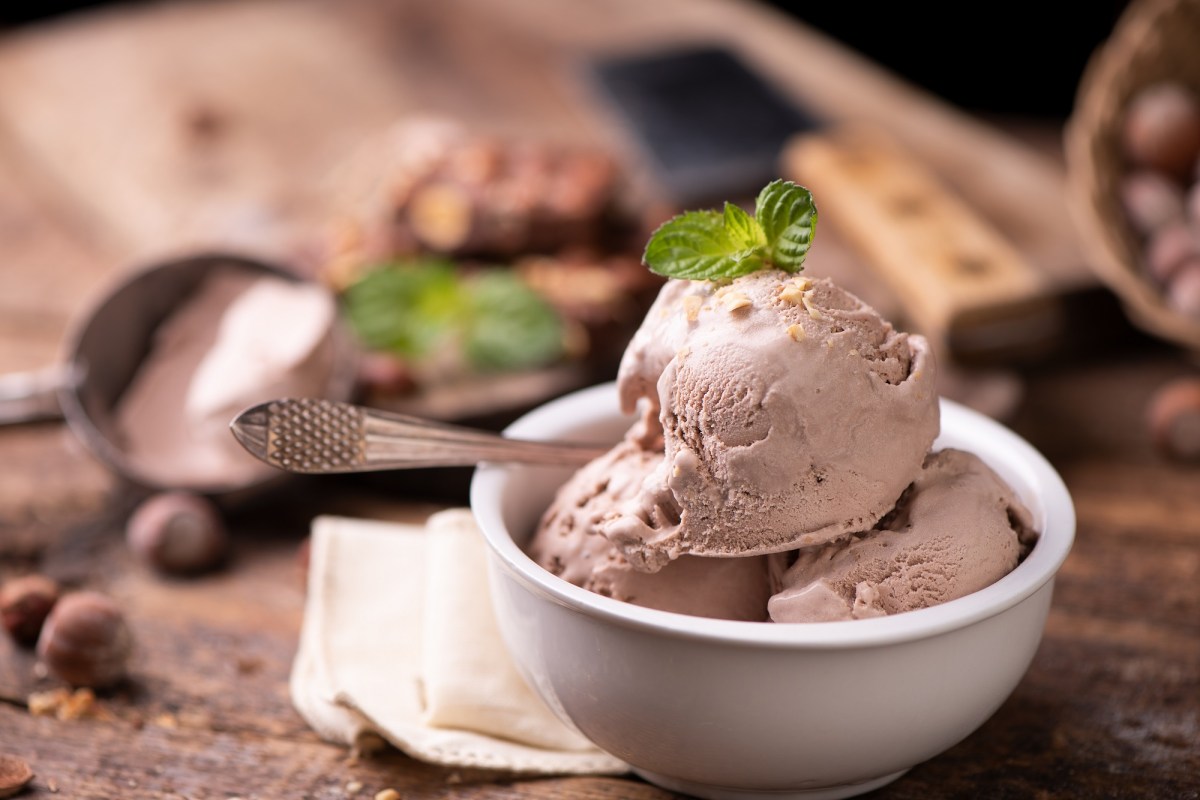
x,y
724,709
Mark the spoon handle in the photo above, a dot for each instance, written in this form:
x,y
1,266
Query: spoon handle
x,y
317,437
31,396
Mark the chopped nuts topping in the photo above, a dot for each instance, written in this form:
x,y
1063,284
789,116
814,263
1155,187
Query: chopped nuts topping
x,y
735,300
793,290
691,306
791,293
813,311
66,705
796,332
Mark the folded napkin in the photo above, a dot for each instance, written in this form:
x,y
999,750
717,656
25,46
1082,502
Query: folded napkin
x,y
399,640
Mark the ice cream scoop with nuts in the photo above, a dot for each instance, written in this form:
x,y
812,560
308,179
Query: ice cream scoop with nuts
x,y
784,437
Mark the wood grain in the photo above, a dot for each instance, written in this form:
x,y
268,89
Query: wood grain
x,y
140,130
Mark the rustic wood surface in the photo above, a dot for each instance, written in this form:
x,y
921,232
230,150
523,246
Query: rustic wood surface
x,y
135,132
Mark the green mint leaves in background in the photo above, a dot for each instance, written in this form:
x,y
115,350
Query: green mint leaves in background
x,y
415,308
510,325
708,245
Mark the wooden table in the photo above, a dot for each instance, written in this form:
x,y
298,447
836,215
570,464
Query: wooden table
x,y
137,132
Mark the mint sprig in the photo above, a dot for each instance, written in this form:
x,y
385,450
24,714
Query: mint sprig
x,y
708,245
415,308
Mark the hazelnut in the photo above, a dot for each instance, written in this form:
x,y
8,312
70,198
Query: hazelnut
x,y
1168,249
1162,128
24,604
1151,200
86,640
1183,292
178,532
1173,417
15,775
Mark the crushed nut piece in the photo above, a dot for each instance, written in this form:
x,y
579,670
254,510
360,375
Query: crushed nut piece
x,y
354,787
66,705
813,311
387,794
791,293
735,300
691,306
44,704
441,216
166,720
853,352
683,353
365,746
796,332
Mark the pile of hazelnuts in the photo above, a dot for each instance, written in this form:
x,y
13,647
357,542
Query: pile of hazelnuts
x,y
1160,188
82,636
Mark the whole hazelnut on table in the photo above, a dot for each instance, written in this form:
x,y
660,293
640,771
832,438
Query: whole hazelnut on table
x,y
1162,128
1183,290
177,532
1151,200
1169,248
86,640
15,775
1173,417
25,603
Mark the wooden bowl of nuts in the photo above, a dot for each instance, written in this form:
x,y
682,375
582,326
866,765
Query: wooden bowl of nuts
x,y
1133,165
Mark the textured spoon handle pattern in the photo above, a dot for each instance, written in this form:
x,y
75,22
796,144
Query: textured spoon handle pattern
x,y
315,436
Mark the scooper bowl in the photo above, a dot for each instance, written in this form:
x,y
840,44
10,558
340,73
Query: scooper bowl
x,y
724,709
110,343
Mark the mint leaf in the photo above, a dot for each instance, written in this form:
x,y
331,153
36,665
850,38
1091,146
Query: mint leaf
x,y
789,219
708,245
404,308
744,232
415,309
509,325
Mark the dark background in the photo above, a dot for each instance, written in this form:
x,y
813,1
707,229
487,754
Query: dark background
x,y
1018,57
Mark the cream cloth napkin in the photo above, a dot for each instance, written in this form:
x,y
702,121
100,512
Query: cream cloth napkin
x,y
399,640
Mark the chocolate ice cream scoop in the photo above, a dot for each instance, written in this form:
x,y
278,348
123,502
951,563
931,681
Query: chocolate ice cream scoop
x,y
569,544
958,529
791,414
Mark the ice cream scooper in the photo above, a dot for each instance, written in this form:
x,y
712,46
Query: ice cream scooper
x,y
108,345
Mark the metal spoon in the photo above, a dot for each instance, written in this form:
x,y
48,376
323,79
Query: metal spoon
x,y
317,437
108,345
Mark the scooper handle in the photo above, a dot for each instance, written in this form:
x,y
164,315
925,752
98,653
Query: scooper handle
x,y
31,396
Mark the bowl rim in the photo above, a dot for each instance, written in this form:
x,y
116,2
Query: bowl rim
x,y
1037,570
